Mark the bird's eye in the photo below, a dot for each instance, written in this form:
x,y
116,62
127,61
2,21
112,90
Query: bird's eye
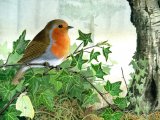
x,y
60,26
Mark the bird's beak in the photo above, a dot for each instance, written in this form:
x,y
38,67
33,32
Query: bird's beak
x,y
70,27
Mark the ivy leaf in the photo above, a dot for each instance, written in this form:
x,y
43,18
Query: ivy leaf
x,y
11,114
46,98
98,69
120,102
14,57
134,65
76,91
117,115
20,44
84,37
18,48
106,52
24,105
113,88
90,99
66,64
78,60
57,84
110,115
107,115
7,91
33,82
94,55
73,47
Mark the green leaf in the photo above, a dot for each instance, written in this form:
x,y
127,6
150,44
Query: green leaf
x,y
134,65
117,115
106,52
11,114
78,60
7,91
14,57
75,91
110,115
73,47
57,84
66,63
120,102
98,69
18,49
87,72
19,86
33,82
20,44
107,115
46,98
84,37
94,55
106,68
113,88
90,99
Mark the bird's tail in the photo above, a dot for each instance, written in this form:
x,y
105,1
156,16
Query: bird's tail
x,y
18,76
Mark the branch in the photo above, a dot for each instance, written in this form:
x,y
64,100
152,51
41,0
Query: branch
x,y
11,101
28,64
124,78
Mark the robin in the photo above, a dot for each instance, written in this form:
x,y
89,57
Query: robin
x,y
51,45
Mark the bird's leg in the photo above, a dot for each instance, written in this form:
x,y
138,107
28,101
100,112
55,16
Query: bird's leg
x,y
58,67
52,67
46,64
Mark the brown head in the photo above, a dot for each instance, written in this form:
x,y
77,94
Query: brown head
x,y
59,26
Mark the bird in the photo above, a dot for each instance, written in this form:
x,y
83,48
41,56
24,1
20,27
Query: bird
x,y
51,45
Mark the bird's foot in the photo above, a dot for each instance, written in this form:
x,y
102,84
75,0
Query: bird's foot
x,y
46,64
58,67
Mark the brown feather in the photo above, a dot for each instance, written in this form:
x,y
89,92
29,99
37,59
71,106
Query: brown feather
x,y
36,47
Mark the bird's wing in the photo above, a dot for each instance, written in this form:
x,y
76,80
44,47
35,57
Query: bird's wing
x,y
36,47
34,50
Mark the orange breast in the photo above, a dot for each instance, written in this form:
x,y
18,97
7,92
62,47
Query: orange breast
x,y
61,45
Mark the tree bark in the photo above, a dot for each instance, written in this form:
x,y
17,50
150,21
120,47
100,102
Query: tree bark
x,y
145,16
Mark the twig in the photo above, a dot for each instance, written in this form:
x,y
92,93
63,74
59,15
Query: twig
x,y
11,101
77,48
97,45
124,78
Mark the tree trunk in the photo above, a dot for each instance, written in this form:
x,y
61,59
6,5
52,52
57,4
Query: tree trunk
x,y
145,16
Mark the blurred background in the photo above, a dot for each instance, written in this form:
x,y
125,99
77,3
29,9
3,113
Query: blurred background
x,y
105,19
